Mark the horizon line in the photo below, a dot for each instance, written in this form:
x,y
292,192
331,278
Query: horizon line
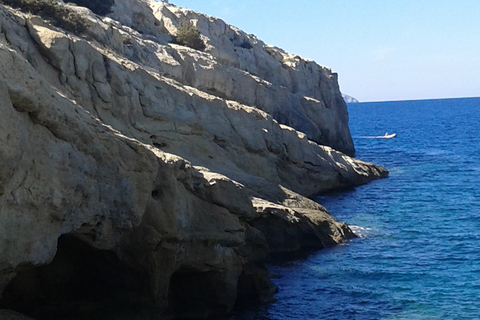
x,y
426,99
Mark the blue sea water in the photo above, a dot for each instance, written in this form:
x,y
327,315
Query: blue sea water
x,y
418,251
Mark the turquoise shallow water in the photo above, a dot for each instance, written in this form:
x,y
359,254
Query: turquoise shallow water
x,y
418,255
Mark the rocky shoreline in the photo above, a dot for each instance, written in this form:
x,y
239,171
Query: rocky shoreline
x,y
141,179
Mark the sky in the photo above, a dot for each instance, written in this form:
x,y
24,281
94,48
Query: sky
x,y
383,50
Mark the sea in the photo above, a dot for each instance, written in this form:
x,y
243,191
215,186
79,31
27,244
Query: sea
x,y
417,255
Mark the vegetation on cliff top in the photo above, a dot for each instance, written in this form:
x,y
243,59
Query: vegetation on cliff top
x,y
57,14
102,7
188,35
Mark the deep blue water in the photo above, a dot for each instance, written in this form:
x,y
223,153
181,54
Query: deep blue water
x,y
418,255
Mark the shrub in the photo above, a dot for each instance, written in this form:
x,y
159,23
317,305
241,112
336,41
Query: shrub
x,y
100,7
188,35
51,10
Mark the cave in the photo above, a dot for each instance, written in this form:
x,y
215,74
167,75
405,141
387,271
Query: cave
x,y
80,283
197,294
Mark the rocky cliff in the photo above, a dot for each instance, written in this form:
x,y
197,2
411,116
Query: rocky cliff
x,y
140,179
349,99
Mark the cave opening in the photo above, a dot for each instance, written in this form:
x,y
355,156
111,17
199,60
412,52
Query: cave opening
x,y
80,283
197,294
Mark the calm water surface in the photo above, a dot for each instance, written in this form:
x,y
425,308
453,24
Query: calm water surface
x,y
418,255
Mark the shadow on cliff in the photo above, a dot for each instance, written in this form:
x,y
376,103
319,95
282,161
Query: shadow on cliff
x,y
80,283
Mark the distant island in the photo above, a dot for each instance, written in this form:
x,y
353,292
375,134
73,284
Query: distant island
x,y
349,99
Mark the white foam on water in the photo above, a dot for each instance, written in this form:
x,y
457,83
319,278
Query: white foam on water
x,y
360,232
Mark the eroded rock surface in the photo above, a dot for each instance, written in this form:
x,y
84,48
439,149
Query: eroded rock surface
x,y
138,177
295,91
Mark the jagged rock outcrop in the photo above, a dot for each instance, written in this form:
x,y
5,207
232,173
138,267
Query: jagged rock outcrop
x,y
349,99
134,187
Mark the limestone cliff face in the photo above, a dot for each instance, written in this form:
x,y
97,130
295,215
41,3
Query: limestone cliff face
x,y
295,91
143,179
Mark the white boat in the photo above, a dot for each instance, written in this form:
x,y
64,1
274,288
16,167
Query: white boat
x,y
385,136
388,136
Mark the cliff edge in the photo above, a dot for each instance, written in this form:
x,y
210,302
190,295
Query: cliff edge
x,y
142,179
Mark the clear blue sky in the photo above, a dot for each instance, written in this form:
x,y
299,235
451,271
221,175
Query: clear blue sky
x,y
382,50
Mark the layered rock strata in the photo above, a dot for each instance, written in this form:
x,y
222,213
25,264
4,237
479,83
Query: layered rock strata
x,y
135,187
295,91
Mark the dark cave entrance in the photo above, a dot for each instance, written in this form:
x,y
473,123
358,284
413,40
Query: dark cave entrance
x,y
197,294
80,283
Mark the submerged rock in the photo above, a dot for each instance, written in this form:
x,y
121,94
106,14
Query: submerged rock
x,y
143,179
